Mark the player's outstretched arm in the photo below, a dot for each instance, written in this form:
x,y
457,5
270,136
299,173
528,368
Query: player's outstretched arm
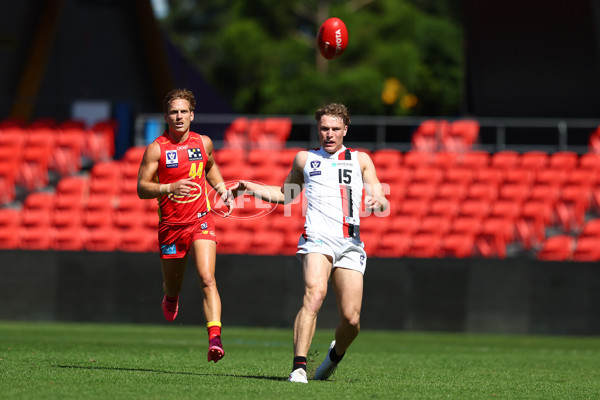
x,y
283,194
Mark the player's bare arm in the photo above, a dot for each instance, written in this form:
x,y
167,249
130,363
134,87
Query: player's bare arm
x,y
284,194
375,197
147,187
214,177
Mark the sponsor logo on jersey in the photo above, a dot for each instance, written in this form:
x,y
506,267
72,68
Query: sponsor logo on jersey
x,y
204,225
168,249
194,154
342,164
172,159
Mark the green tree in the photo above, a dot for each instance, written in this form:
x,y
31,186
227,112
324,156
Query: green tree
x,y
262,55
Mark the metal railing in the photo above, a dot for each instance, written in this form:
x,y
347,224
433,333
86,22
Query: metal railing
x,y
377,132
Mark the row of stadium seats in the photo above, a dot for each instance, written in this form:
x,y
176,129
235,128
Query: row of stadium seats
x,y
29,154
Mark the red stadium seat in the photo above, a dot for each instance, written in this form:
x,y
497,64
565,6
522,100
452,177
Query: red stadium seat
x,y
403,224
590,161
458,175
103,238
229,156
274,133
474,160
237,133
385,159
234,242
448,208
134,155
563,160
43,201
67,217
531,225
495,235
489,176
393,245
534,160
557,248
591,228
421,191
475,208
417,159
10,220
466,226
434,225
426,174
587,249
424,245
457,246
551,177
574,202
445,159
517,192
461,135
519,176
452,191
267,243
138,239
416,208
429,135
71,238
505,160
482,192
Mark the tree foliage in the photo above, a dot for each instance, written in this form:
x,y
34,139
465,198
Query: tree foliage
x,y
262,55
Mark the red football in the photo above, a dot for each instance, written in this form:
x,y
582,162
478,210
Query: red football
x,y
333,38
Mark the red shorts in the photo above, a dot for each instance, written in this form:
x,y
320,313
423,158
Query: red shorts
x,y
175,240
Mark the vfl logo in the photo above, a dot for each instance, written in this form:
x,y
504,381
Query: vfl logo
x,y
194,154
314,165
172,159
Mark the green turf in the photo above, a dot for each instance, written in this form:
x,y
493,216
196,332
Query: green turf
x,y
97,361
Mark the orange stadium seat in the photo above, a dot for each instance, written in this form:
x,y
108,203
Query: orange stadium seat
x,y
557,248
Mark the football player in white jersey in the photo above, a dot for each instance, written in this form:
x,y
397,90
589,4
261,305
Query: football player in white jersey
x,y
330,246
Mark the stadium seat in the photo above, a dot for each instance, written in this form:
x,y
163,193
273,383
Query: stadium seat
x,y
534,160
424,245
482,192
403,224
138,239
134,155
10,220
475,208
551,177
69,238
519,176
517,192
545,192
103,238
68,151
557,248
591,228
416,159
236,135
273,134
43,201
33,171
448,208
493,237
230,156
385,159
234,242
505,160
99,142
67,217
490,176
444,159
461,135
469,226
563,160
260,157
574,202
506,209
458,175
531,224
434,225
393,245
266,243
474,159
452,191
426,174
594,141
587,249
457,246
590,161
35,237
413,207
429,135
98,218
421,191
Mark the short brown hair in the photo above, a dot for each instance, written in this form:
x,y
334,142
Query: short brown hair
x,y
179,94
335,110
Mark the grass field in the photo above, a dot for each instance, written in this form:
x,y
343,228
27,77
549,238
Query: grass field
x,y
102,361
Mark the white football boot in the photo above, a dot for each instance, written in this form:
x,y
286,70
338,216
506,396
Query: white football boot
x,y
298,375
327,367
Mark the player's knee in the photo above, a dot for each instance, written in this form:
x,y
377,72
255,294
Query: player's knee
x,y
352,319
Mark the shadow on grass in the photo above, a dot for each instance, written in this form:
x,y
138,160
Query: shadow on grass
x,y
156,371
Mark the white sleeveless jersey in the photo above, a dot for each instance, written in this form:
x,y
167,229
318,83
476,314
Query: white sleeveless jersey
x,y
333,189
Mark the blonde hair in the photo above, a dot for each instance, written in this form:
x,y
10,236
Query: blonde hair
x,y
179,94
335,110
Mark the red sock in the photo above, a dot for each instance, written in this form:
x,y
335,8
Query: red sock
x,y
214,329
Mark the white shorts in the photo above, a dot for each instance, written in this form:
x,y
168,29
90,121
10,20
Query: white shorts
x,y
345,252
